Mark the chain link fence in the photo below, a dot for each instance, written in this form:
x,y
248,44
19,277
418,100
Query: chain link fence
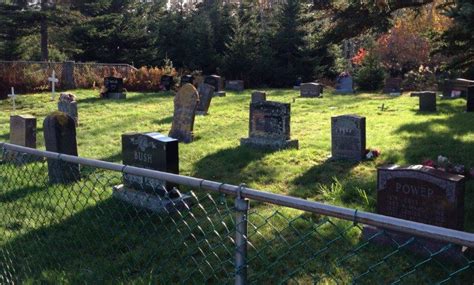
x,y
85,231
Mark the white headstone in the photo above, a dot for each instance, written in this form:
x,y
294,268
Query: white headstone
x,y
53,81
13,97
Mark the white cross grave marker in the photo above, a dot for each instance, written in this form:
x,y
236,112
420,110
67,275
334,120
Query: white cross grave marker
x,y
53,81
13,97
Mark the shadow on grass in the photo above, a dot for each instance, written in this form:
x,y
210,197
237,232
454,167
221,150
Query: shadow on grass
x,y
18,194
167,120
130,99
228,164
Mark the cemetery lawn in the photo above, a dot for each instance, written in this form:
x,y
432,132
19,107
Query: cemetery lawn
x,y
402,134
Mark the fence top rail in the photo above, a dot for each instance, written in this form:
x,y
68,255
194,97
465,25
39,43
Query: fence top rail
x,y
372,219
57,62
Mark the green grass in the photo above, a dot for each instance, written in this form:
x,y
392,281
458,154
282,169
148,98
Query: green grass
x,y
404,136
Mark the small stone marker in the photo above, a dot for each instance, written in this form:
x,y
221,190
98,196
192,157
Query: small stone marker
x,y
345,84
427,100
311,90
269,126
258,96
114,88
151,151
53,81
185,104
234,85
13,97
23,130
421,194
470,99
60,136
215,81
67,103
167,82
206,92
393,86
348,137
187,79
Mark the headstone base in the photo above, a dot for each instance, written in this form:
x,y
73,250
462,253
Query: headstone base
x,y
296,87
344,91
219,94
116,96
202,113
269,144
152,202
423,247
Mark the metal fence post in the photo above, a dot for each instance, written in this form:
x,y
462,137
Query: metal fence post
x,y
242,206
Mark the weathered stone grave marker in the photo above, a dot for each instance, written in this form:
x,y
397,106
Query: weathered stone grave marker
x,y
258,96
427,100
60,136
348,137
311,90
67,103
185,104
206,92
393,86
269,126
23,130
234,85
114,88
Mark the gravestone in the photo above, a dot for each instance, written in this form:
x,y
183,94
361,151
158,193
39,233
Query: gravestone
x,y
60,136
345,84
348,137
311,90
427,100
258,96
151,151
269,126
187,79
470,99
234,85
67,103
393,86
215,81
206,92
23,130
114,88
421,194
167,82
185,103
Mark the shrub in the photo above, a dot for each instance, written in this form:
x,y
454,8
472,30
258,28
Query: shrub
x,y
370,75
422,79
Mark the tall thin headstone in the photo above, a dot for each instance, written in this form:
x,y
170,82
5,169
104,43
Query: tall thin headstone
x,y
53,81
60,136
348,137
185,104
206,92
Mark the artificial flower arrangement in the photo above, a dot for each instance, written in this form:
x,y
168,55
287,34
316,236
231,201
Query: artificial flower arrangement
x,y
444,164
372,153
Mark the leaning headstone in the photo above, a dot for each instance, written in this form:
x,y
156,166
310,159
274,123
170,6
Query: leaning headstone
x,y
113,88
345,84
269,126
151,151
167,82
23,130
348,137
215,81
311,89
258,96
185,104
470,99
420,194
187,79
68,104
427,100
393,86
234,85
60,136
206,92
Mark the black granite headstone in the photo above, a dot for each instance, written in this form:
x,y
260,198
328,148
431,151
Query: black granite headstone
x,y
470,99
269,126
348,137
427,100
206,92
114,88
60,136
187,79
151,151
258,96
214,81
167,82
